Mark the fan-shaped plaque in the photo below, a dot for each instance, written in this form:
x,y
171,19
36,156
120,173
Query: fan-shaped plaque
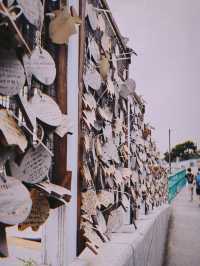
x,y
110,87
107,131
12,77
115,220
33,11
43,66
11,131
104,67
92,78
46,109
89,101
105,198
89,118
101,24
127,88
106,42
94,50
39,212
34,167
105,113
92,16
89,202
15,201
65,127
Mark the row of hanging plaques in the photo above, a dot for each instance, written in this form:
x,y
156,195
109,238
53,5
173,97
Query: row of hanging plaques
x,y
116,175
29,117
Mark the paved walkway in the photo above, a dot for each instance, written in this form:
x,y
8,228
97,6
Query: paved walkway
x,y
184,236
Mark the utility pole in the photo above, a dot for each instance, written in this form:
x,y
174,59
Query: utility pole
x,y
170,167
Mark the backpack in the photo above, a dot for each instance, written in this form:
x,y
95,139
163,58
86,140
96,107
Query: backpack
x,y
198,180
190,178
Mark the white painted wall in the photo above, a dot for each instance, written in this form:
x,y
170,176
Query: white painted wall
x,y
60,232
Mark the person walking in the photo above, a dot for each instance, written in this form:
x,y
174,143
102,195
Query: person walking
x,y
191,182
198,184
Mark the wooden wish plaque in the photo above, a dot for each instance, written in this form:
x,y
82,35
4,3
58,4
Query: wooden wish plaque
x,y
43,66
39,212
63,25
92,16
33,11
63,195
34,166
11,131
92,79
115,220
12,77
15,201
46,109
66,126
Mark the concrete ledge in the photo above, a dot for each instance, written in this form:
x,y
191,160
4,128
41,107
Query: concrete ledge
x,y
130,247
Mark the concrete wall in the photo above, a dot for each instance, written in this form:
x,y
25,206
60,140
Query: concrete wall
x,y
129,247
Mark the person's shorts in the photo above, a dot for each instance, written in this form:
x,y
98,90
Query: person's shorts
x,y
198,191
190,187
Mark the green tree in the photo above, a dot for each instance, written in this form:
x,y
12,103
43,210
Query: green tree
x,y
186,150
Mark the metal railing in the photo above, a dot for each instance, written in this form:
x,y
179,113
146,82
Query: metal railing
x,y
176,182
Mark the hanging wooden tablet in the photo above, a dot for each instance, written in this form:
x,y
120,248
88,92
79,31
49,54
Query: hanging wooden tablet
x,y
27,112
114,62
66,126
89,118
98,147
89,101
89,202
101,23
28,70
127,88
92,16
39,212
104,67
87,178
92,79
107,132
33,11
118,127
34,166
11,131
106,43
94,50
115,220
105,113
118,177
110,87
63,25
93,241
61,194
12,77
105,198
46,109
126,172
43,66
15,201
110,152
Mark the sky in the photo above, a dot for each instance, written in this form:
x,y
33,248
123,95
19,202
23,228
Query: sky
x,y
166,36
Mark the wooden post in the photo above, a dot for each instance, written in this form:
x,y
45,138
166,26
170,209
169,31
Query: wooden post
x,y
3,242
60,147
82,5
